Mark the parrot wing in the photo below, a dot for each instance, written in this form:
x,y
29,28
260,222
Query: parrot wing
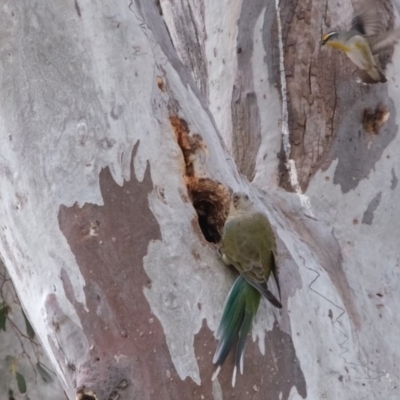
x,y
262,286
249,245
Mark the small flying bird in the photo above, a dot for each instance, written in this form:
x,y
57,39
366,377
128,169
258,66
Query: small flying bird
x,y
365,39
249,245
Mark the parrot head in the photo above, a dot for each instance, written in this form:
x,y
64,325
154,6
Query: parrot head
x,y
241,202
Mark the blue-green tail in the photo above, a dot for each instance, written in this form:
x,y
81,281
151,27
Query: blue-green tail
x,y
240,308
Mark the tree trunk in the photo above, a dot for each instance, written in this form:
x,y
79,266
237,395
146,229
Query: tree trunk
x,y
124,127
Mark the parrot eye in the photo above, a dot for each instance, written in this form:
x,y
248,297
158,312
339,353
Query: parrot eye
x,y
236,198
246,197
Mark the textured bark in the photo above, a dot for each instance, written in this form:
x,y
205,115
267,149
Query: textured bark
x,y
323,88
126,125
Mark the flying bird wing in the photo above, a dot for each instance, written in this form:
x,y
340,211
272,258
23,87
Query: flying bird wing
x,y
384,41
368,20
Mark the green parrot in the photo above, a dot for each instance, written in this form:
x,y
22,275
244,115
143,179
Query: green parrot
x,y
248,243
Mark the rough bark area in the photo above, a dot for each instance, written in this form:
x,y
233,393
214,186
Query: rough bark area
x,y
323,86
188,16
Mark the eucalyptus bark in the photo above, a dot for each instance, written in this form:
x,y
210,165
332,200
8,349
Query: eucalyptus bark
x,y
125,125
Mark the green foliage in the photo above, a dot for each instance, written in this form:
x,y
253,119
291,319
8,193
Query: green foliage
x,y
20,382
4,309
29,329
14,368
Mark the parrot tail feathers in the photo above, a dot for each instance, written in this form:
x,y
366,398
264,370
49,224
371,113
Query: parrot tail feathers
x,y
225,344
231,321
228,307
244,331
240,308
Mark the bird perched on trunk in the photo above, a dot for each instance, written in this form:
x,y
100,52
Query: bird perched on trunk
x,y
248,244
365,39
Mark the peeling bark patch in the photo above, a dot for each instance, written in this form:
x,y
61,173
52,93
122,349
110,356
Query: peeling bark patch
x,y
273,374
374,119
210,198
111,262
368,216
127,342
